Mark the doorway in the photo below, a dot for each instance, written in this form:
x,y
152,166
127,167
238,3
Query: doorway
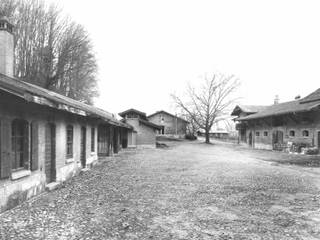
x,y
250,138
277,140
83,146
115,140
50,152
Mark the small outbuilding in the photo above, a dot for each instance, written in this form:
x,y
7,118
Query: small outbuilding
x,y
144,131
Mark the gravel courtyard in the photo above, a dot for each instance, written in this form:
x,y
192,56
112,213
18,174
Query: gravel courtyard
x,y
187,191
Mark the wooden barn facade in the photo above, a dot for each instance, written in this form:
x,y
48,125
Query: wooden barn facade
x,y
290,126
170,124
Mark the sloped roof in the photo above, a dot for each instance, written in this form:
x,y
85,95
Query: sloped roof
x,y
284,108
42,96
315,96
162,111
247,109
150,124
122,114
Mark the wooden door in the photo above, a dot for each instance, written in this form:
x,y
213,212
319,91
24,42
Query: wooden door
x,y
124,138
103,141
250,138
115,140
50,153
277,140
83,142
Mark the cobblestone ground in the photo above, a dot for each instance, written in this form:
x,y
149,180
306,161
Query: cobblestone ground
x,y
187,191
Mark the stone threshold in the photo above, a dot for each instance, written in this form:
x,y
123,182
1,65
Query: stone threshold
x,y
52,186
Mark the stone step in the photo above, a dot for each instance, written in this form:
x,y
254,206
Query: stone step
x,y
52,186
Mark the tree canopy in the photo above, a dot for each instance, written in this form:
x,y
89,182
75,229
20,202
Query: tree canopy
x,y
52,51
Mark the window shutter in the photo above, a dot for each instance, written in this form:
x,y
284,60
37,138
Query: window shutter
x,y
5,158
34,146
26,146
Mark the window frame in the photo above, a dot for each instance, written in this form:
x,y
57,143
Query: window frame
x,y
24,162
265,133
257,134
305,133
69,141
292,133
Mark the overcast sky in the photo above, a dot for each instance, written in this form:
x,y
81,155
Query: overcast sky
x,y
148,49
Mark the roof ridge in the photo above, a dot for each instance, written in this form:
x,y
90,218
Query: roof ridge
x,y
20,85
168,114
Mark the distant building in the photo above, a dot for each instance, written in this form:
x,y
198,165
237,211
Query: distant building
x,y
170,124
219,134
144,133
286,126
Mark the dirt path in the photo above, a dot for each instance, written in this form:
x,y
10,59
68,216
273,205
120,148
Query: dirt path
x,y
188,191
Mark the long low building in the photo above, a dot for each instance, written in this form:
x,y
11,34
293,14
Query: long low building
x,y
287,126
46,138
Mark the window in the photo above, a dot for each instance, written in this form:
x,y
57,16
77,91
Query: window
x,y
20,144
257,134
161,118
69,141
292,133
92,139
305,133
265,134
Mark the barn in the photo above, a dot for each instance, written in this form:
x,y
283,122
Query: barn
x,y
170,124
292,126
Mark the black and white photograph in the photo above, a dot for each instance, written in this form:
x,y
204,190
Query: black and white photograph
x,y
159,120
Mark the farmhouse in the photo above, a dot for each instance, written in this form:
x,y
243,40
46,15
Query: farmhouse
x,y
290,126
144,134
45,137
170,124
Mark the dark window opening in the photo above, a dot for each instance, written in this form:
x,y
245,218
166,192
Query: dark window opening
x,y
132,115
69,141
257,134
92,139
265,134
292,133
20,144
305,133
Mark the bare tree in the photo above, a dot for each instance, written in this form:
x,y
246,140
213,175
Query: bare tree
x,y
50,50
205,104
192,127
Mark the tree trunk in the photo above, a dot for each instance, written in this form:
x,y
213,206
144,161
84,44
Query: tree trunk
x,y
207,134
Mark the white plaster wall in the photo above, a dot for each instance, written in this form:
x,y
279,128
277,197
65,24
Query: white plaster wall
x,y
32,185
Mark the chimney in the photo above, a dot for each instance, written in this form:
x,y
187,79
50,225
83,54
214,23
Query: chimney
x,y
297,97
276,99
6,47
